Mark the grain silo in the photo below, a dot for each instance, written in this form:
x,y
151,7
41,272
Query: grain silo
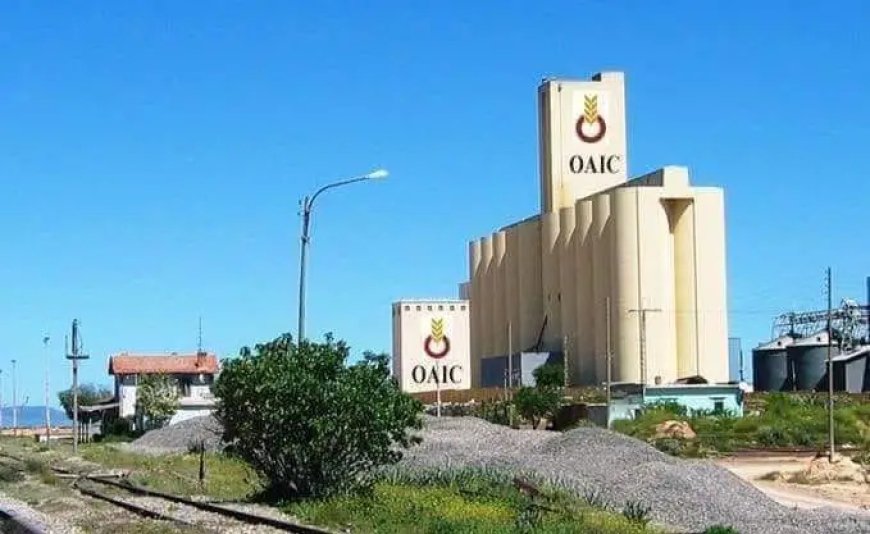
x,y
771,369
809,356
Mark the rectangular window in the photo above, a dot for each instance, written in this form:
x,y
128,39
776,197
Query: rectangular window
x,y
718,405
452,308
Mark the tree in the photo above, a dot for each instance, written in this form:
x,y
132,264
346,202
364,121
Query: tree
x,y
311,424
536,403
89,394
156,399
550,375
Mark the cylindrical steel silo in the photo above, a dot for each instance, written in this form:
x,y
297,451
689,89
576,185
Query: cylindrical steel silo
x,y
770,366
809,356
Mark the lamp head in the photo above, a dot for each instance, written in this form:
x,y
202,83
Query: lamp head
x,y
378,174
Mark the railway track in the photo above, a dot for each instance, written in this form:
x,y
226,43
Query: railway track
x,y
191,515
182,510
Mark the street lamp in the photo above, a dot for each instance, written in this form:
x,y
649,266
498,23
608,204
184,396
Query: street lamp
x,y
307,205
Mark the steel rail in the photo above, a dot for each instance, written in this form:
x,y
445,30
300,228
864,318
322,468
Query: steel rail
x,y
210,507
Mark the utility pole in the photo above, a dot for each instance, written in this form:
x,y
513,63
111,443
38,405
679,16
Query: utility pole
x,y
437,390
608,358
14,400
45,340
830,376
75,356
1,399
510,366
642,312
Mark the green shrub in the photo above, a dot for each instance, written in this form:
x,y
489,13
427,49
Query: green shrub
x,y
311,425
10,474
719,529
636,512
536,403
550,375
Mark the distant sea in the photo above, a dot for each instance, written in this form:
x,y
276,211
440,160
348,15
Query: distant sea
x,y
33,416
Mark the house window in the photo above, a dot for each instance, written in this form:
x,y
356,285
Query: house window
x,y
429,308
718,405
452,308
407,308
462,308
440,308
418,308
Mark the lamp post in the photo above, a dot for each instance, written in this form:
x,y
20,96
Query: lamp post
x,y
307,205
45,340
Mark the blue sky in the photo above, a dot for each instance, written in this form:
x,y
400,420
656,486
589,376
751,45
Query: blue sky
x,y
152,155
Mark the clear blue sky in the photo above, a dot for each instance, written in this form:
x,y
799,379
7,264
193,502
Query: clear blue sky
x,y
152,155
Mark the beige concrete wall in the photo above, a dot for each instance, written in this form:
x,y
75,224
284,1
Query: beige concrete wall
x,y
531,303
601,256
574,166
486,299
584,345
568,287
499,300
474,277
550,263
626,297
711,283
512,285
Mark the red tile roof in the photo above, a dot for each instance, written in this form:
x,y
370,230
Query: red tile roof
x,y
129,364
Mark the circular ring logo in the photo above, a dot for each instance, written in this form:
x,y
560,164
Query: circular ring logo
x,y
437,354
602,129
591,117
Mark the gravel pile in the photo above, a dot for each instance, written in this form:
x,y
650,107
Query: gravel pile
x,y
687,496
180,437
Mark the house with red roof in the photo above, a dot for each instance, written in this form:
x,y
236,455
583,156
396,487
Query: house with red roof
x,y
193,375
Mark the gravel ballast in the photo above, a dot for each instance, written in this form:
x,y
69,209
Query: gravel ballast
x,y
180,437
684,495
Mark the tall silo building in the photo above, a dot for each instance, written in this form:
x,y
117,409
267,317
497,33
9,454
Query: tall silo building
x,y
651,250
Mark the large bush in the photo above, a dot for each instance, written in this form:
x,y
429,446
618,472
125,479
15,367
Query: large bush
x,y
312,425
89,394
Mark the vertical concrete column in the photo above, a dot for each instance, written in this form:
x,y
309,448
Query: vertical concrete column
x,y
567,285
475,280
685,314
486,299
601,250
512,285
711,284
499,300
584,347
550,280
627,300
530,291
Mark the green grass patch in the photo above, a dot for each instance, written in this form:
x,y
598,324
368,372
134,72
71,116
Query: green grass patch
x,y
781,420
226,478
467,502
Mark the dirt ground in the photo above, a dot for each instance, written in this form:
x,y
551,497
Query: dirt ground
x,y
844,495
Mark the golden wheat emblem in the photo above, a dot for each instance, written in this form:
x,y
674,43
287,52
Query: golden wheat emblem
x,y
590,118
437,337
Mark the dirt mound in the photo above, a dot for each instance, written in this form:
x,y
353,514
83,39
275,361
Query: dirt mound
x,y
674,429
842,469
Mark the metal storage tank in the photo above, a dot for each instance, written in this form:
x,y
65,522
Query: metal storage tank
x,y
809,357
771,369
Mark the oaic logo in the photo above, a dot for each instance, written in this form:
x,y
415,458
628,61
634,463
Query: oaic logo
x,y
436,345
591,127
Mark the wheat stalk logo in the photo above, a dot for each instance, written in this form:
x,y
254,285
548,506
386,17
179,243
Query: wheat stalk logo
x,y
590,117
437,337
590,109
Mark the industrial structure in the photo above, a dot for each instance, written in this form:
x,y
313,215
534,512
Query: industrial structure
x,y
797,358
634,269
